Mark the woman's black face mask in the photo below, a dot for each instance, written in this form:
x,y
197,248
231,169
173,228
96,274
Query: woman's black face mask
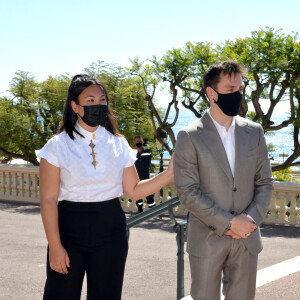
x,y
94,115
229,103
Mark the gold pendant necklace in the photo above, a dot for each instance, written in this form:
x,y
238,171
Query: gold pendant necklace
x,y
92,145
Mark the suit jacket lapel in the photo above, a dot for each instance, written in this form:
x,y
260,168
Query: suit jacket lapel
x,y
211,138
242,132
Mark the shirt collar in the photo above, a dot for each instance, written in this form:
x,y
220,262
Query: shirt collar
x,y
90,135
139,153
218,125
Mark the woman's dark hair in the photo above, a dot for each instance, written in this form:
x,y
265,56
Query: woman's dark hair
x,y
211,76
78,84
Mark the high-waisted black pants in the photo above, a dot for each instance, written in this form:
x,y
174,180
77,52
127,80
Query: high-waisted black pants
x,y
94,236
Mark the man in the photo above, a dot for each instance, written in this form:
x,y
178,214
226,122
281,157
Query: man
x,y
142,165
223,177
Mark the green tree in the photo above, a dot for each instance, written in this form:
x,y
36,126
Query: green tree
x,y
31,116
131,110
33,113
180,71
273,62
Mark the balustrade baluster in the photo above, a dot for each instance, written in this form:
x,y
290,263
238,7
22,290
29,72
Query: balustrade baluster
x,y
21,183
13,187
7,184
1,183
34,179
282,209
292,208
157,197
165,194
272,217
26,187
22,186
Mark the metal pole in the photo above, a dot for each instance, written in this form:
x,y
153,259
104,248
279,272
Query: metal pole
x,y
179,229
161,169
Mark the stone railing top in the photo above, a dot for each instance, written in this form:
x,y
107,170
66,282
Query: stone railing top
x,y
19,168
21,183
279,185
287,186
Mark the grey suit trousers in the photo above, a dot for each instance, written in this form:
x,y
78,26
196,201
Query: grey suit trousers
x,y
239,273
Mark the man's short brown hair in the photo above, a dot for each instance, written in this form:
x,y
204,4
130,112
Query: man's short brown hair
x,y
138,137
211,76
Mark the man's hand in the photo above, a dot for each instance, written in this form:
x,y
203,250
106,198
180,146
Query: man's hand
x,y
233,235
242,226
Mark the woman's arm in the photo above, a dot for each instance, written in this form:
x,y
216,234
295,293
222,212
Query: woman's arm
x,y
136,189
49,189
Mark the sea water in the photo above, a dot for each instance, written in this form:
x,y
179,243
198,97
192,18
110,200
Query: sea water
x,y
282,139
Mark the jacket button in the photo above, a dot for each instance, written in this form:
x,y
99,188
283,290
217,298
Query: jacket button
x,y
234,189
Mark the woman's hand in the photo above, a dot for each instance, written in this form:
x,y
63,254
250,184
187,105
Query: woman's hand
x,y
136,189
170,168
59,259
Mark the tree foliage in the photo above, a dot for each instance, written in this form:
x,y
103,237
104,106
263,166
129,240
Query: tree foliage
x,y
131,110
33,113
273,62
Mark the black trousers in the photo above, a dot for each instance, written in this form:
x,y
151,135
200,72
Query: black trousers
x,y
150,199
94,236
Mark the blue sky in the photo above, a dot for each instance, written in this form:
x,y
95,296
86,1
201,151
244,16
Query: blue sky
x,y
62,36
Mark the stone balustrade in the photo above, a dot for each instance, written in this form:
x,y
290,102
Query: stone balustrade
x,y
21,183
284,207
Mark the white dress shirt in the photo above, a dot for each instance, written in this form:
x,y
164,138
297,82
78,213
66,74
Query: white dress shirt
x,y
228,140
80,181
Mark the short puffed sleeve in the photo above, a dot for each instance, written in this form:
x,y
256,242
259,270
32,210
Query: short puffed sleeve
x,y
49,152
129,153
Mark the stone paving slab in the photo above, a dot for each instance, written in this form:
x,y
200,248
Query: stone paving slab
x,y
151,264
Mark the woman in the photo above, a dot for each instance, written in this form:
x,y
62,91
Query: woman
x,y
85,168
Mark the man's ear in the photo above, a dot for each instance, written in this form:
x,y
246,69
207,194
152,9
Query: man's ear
x,y
211,94
74,106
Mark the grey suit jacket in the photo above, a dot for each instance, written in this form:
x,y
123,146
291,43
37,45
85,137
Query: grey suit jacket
x,y
207,188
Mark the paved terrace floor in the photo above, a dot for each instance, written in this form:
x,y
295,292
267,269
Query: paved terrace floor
x,y
151,264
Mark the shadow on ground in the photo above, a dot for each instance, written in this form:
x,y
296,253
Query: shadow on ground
x,y
271,230
161,222
20,208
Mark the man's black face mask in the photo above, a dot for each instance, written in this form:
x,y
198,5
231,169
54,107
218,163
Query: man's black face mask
x,y
229,103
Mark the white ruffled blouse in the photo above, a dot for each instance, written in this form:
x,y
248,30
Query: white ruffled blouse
x,y
80,180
